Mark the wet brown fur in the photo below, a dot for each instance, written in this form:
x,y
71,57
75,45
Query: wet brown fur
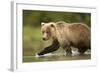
x,y
69,35
77,35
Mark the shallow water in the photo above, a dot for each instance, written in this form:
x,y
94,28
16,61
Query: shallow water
x,y
56,58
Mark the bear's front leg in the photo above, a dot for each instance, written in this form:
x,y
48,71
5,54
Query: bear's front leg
x,y
55,45
68,51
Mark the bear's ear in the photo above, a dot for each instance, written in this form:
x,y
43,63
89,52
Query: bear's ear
x,y
42,23
52,25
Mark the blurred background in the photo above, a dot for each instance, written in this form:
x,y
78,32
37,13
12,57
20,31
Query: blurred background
x,y
32,36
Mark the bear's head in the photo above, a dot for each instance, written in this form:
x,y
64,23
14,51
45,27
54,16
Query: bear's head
x,y
48,30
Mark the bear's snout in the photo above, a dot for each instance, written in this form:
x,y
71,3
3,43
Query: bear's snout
x,y
44,39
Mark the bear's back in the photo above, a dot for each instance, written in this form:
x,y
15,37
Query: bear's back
x,y
79,33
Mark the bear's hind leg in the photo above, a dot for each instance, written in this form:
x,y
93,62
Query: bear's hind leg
x,y
82,50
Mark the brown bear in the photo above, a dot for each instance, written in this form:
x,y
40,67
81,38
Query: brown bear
x,y
66,35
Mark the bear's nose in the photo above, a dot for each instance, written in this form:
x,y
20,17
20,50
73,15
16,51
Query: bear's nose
x,y
43,38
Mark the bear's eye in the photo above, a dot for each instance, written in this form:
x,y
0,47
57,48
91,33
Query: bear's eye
x,y
47,32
